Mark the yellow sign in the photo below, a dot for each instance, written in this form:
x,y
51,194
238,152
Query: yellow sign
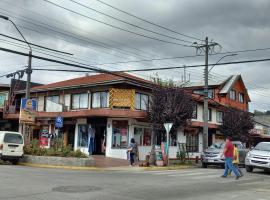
x,y
122,98
28,111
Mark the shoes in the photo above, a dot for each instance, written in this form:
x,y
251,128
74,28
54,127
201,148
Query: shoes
x,y
237,177
223,176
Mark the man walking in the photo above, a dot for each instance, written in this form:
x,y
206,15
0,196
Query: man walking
x,y
229,156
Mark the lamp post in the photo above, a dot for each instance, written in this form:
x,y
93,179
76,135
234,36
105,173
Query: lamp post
x,y
29,68
205,107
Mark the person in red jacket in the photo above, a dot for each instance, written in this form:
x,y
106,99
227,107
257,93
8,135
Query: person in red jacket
x,y
228,153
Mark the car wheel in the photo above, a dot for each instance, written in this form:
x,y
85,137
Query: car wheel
x,y
249,168
204,165
14,162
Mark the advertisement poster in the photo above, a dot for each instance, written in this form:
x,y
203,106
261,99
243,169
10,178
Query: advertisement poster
x,y
28,110
3,97
44,137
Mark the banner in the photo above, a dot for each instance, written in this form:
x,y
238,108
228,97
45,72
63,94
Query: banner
x,y
28,111
122,98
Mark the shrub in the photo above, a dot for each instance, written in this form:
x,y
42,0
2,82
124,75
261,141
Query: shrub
x,y
57,149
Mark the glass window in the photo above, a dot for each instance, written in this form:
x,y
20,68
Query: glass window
x,y
209,114
100,100
120,134
241,97
142,101
195,112
173,140
192,143
232,94
82,135
219,116
55,99
138,136
142,136
13,138
79,101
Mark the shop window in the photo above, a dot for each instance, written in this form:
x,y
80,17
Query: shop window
x,y
79,101
241,98
100,100
219,116
233,95
141,101
120,134
142,136
83,136
192,142
195,112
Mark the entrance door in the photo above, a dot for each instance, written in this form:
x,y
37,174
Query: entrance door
x,y
71,135
100,137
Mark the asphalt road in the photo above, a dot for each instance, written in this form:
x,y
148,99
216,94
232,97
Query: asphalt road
x,y
26,183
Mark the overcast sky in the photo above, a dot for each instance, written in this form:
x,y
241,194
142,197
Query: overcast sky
x,y
234,24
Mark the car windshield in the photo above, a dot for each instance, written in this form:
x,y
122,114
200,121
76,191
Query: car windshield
x,y
217,145
263,147
13,138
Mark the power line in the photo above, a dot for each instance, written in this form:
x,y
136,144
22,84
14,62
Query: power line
x,y
149,22
39,46
113,26
120,20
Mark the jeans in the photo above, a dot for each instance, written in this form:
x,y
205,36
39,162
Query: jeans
x,y
229,166
131,158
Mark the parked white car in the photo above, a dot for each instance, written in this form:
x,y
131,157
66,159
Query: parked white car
x,y
11,146
259,157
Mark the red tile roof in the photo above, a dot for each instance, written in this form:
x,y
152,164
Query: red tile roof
x,y
94,79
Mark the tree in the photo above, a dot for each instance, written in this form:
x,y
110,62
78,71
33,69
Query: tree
x,y
169,104
237,124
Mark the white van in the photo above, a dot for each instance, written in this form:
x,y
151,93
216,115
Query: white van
x,y
11,146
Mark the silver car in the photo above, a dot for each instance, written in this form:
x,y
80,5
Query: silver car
x,y
213,155
259,157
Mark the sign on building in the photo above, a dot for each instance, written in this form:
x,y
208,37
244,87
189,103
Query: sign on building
x,y
122,98
59,122
28,110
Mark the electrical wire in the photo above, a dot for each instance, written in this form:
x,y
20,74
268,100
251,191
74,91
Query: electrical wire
x,y
149,22
116,27
123,21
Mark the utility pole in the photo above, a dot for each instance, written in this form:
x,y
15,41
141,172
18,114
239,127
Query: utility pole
x,y
28,72
205,100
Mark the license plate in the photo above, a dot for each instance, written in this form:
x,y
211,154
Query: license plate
x,y
210,160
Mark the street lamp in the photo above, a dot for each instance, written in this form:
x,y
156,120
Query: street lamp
x,y
29,68
233,54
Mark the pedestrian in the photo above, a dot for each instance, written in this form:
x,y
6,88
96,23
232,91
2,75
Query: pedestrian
x,y
236,160
132,151
228,153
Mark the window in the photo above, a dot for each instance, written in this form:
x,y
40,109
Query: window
x,y
142,136
141,101
209,114
82,135
241,98
120,134
100,100
55,99
13,138
232,94
195,112
79,101
219,116
192,142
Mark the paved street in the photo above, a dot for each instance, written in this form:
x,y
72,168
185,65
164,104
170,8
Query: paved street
x,y
18,182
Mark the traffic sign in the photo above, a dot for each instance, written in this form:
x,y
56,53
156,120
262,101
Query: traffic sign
x,y
59,121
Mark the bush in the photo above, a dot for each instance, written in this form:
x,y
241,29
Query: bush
x,y
57,149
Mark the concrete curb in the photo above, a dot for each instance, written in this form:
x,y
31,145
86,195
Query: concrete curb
x,y
123,168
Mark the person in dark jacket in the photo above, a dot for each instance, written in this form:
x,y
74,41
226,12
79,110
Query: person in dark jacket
x,y
132,151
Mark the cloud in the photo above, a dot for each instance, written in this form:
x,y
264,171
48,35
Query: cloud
x,y
235,24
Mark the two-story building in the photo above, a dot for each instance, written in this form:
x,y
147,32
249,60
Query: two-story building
x,y
106,110
230,92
